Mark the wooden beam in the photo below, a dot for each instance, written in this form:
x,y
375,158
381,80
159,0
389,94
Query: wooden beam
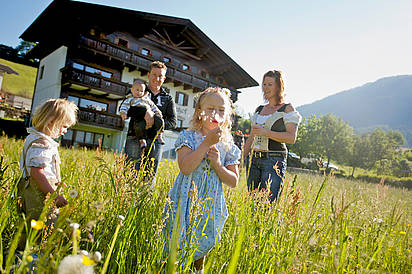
x,y
172,47
177,83
186,86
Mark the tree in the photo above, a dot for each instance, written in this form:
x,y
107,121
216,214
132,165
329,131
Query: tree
x,y
305,139
24,47
359,153
333,138
383,147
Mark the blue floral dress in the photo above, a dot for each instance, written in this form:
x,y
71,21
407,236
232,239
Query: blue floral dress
x,y
203,210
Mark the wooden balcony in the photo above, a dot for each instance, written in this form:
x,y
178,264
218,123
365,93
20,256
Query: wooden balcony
x,y
100,119
140,61
95,83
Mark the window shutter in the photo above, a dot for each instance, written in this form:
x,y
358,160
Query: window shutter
x,y
186,99
177,97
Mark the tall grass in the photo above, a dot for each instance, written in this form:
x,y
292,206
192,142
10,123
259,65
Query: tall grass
x,y
319,224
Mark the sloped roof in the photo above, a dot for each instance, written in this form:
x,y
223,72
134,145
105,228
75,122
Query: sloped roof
x,y
71,18
7,69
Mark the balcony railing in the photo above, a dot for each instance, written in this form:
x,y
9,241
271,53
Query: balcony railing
x,y
95,81
142,61
101,119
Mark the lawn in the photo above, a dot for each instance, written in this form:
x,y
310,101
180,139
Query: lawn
x,y
22,84
319,225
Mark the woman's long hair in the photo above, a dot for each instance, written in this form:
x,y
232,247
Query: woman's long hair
x,y
277,75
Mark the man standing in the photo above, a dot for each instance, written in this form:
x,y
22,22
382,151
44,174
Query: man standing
x,y
156,77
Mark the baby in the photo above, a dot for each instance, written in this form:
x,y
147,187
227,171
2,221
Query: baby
x,y
137,106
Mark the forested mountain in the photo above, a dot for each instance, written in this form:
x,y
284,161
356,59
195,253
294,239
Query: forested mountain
x,y
386,103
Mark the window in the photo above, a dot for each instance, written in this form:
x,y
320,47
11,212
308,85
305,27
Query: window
x,y
146,52
78,66
88,138
41,72
86,103
123,43
79,136
68,135
181,98
73,99
97,137
179,123
90,104
167,59
84,137
185,67
92,70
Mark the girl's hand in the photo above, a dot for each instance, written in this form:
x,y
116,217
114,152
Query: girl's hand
x,y
214,156
61,201
258,131
124,116
213,136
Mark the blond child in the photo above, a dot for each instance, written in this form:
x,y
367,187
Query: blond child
x,y
139,98
39,160
207,144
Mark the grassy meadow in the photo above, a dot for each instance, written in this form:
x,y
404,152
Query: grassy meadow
x,y
319,225
22,84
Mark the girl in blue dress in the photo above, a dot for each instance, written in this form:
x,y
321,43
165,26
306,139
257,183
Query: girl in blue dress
x,y
207,157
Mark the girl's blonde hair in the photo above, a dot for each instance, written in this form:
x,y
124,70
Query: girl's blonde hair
x,y
226,125
53,114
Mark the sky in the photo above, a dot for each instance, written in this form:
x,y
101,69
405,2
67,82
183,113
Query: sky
x,y
322,47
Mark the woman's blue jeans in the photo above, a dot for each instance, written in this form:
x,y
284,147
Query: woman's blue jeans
x,y
263,170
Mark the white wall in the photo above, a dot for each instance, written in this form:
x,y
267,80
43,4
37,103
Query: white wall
x,y
50,84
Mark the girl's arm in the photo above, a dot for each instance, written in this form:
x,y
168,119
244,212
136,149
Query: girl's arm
x,y
37,173
188,159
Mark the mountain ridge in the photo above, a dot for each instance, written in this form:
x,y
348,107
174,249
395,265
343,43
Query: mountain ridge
x,y
385,103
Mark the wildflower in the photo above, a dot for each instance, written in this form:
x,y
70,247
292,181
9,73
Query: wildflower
x,y
152,159
97,256
97,204
74,264
37,225
402,232
73,193
121,217
377,220
87,261
29,258
74,225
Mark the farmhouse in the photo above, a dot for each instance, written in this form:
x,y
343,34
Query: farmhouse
x,y
91,54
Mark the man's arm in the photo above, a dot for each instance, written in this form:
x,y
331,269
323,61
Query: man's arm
x,y
170,114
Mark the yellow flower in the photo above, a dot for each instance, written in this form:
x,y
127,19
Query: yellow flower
x,y
37,225
78,233
29,259
87,261
402,232
152,159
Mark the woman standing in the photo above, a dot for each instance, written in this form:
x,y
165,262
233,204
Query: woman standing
x,y
273,125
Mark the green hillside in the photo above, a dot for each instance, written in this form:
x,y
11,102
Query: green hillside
x,y
22,84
